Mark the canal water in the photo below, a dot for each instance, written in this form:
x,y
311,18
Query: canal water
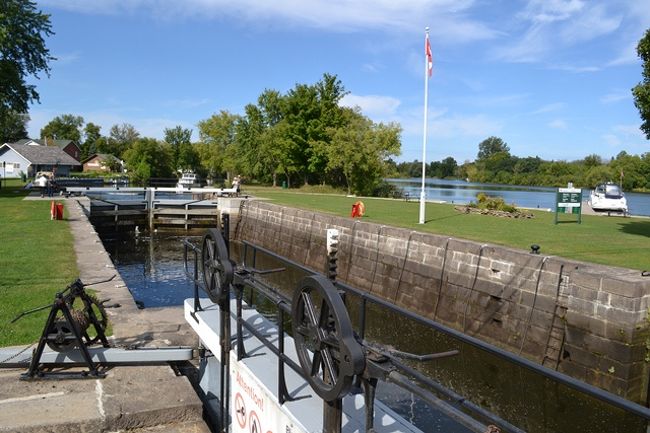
x,y
461,192
152,268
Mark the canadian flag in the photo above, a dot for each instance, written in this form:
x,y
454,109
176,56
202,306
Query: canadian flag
x,y
427,51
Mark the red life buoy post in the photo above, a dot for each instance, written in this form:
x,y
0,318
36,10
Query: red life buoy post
x,y
358,209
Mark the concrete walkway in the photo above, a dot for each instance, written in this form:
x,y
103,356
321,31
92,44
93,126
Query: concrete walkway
x,y
143,399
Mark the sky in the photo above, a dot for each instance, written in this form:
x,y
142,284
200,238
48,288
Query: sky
x,y
552,78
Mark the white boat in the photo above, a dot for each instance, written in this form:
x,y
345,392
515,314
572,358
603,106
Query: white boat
x,y
608,197
189,179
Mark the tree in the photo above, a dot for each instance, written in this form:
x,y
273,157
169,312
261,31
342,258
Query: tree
x,y
148,158
177,137
92,135
360,148
13,127
217,143
641,91
448,167
592,160
23,54
64,127
527,165
301,113
187,158
490,146
121,137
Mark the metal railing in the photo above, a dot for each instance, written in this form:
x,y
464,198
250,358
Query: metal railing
x,y
390,369
366,298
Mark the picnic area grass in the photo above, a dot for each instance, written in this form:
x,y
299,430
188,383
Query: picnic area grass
x,y
615,241
37,260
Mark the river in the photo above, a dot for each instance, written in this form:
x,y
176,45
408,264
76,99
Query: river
x,y
152,268
462,192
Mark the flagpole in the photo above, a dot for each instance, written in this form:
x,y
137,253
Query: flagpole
x,y
424,135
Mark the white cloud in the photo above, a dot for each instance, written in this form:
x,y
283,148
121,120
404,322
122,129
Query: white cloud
x,y
576,69
66,58
595,21
370,67
558,124
372,105
615,97
497,101
548,108
629,130
547,11
554,25
626,137
448,19
469,126
612,140
627,55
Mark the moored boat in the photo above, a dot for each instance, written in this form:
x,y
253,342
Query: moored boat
x,y
608,197
189,179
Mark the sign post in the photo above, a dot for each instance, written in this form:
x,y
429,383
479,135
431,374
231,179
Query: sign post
x,y
569,200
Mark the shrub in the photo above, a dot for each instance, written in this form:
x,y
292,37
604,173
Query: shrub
x,y
385,189
484,201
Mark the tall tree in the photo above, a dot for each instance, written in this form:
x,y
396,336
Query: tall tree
x,y
301,114
177,137
64,127
490,146
448,167
360,149
216,135
641,91
121,137
13,126
23,54
148,158
92,135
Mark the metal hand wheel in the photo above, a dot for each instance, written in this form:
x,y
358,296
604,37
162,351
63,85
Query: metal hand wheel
x,y
329,355
217,267
61,336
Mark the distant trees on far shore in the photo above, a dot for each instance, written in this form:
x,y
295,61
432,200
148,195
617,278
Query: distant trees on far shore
x,y
495,164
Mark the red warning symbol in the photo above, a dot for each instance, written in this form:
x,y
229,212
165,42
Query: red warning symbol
x,y
240,410
254,423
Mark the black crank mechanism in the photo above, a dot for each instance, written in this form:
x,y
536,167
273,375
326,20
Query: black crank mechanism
x,y
328,353
216,265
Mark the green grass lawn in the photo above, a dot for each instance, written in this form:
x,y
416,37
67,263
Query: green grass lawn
x,y
36,258
615,241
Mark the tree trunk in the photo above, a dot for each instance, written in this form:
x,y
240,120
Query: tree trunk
x,y
275,179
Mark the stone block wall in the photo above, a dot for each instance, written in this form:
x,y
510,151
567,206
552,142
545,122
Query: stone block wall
x,y
588,321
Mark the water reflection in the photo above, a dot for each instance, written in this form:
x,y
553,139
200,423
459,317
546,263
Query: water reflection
x,y
151,266
461,192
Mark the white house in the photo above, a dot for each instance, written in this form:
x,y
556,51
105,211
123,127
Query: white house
x,y
21,158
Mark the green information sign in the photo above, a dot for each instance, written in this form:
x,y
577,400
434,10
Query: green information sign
x,y
569,200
